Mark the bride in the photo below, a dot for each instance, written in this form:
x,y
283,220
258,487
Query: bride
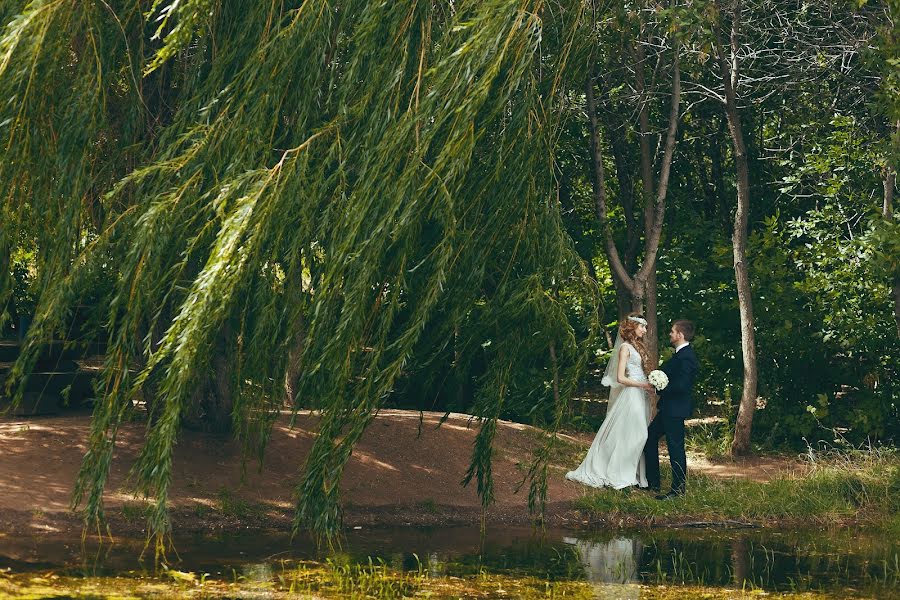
x,y
616,458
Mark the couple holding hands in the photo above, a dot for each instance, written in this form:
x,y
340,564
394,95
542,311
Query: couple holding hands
x,y
625,451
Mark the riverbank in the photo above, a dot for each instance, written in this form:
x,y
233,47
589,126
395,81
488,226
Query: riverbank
x,y
404,471
407,472
837,489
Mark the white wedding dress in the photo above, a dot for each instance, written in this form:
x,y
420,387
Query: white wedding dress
x,y
616,458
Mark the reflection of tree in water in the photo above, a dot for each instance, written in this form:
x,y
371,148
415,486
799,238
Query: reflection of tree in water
x,y
740,560
612,561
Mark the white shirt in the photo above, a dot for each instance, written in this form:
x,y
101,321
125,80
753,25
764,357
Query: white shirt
x,y
680,346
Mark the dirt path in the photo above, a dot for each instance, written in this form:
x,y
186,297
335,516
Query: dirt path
x,y
398,474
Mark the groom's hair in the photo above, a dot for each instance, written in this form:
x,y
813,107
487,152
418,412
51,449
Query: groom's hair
x,y
686,328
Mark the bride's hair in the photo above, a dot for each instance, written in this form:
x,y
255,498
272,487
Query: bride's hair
x,y
628,331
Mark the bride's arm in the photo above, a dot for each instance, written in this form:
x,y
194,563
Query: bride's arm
x,y
624,351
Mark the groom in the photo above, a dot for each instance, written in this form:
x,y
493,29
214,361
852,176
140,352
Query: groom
x,y
674,406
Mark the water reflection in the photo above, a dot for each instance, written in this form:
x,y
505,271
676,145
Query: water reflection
x,y
770,560
615,562
612,561
613,566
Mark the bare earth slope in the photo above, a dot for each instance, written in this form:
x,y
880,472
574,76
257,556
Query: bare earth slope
x,y
396,464
400,473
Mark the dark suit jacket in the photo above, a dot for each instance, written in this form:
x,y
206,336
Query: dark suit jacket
x,y
676,400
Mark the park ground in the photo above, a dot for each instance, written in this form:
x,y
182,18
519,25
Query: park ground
x,y
405,471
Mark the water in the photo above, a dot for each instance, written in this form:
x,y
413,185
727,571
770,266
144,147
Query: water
x,y
840,562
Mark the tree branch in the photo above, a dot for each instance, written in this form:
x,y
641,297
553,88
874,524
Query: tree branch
x,y
612,253
654,232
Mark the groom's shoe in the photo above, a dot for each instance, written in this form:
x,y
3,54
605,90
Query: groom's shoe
x,y
670,495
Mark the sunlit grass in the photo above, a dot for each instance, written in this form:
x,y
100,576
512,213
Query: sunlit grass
x,y
860,486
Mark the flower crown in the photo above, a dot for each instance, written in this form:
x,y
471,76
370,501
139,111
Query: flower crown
x,y
638,320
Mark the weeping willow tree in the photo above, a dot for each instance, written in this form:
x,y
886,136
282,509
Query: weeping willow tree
x,y
281,198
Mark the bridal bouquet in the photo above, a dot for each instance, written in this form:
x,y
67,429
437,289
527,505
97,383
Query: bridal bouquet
x,y
658,379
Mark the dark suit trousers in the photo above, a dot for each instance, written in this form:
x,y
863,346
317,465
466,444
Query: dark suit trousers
x,y
673,429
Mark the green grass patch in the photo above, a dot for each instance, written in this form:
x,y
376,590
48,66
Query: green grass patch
x,y
858,485
711,439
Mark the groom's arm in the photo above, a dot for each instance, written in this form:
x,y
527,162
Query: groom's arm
x,y
681,374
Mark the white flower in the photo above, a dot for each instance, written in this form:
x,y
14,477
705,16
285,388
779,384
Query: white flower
x,y
658,379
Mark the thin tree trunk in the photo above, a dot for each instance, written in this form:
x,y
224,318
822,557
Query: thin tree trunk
x,y
222,397
647,185
213,399
890,182
599,187
618,145
623,296
655,199
654,210
614,129
7,306
298,341
744,423
652,336
292,374
740,561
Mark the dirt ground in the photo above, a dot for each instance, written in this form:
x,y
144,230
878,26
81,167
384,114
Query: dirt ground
x,y
397,475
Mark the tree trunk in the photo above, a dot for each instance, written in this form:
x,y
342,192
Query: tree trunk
x,y
652,337
623,296
740,561
598,181
744,423
212,403
655,195
7,306
298,339
647,184
220,402
292,373
887,209
617,144
625,176
654,204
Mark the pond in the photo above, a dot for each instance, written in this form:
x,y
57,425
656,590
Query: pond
x,y
427,561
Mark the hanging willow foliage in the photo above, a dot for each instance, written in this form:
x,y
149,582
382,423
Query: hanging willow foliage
x,y
250,179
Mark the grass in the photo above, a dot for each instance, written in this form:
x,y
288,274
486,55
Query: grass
x,y
858,486
134,511
713,440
